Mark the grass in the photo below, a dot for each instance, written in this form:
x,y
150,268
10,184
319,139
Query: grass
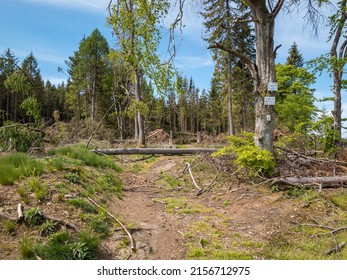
x,y
65,246
39,189
85,156
82,204
10,227
17,165
340,200
111,184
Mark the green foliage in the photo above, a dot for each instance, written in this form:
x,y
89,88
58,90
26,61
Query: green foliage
x,y
21,137
32,109
17,165
48,228
10,227
328,136
33,216
82,204
250,158
26,249
63,246
295,100
111,184
40,190
137,26
73,178
85,156
99,223
340,200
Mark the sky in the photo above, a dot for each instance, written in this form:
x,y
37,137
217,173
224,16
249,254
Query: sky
x,y
52,30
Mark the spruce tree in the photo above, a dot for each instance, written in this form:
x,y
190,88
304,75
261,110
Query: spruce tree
x,y
295,58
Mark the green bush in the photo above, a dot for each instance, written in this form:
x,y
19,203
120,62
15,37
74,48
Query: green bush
x,y
85,156
250,158
22,138
17,165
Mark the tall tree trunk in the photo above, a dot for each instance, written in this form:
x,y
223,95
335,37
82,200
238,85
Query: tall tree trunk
x,y
140,120
337,112
93,97
265,61
338,69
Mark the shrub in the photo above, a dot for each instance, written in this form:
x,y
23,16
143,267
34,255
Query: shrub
x,y
250,158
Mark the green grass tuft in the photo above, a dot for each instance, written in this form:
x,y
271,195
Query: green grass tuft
x,y
17,165
85,156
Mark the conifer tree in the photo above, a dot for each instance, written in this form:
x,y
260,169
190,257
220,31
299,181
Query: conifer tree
x,y
295,57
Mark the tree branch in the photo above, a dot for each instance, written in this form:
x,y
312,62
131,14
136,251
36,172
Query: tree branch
x,y
277,8
250,63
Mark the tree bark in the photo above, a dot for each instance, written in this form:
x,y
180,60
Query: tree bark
x,y
265,62
140,120
338,69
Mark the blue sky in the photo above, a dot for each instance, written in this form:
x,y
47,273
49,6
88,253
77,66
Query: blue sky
x,y
52,30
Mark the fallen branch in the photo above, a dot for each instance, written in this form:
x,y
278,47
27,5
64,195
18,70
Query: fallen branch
x,y
317,160
193,179
337,249
7,217
132,242
60,221
152,151
20,211
321,182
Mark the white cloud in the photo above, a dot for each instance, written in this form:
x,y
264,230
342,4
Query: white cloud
x,y
192,62
92,5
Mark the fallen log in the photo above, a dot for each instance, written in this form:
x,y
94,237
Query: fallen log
x,y
302,181
152,151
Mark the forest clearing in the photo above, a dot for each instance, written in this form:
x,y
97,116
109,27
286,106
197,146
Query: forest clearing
x,y
80,205
128,159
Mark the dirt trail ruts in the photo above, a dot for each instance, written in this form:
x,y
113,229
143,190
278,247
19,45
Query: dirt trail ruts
x,y
156,233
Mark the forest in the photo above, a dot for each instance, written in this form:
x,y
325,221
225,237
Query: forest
x,y
265,174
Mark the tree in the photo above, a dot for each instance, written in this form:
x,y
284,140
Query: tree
x,y
335,61
87,69
219,15
295,57
136,24
263,13
295,100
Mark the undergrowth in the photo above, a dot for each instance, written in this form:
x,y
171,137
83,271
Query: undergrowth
x,y
85,156
17,165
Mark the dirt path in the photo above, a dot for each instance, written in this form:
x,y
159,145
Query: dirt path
x,y
156,232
